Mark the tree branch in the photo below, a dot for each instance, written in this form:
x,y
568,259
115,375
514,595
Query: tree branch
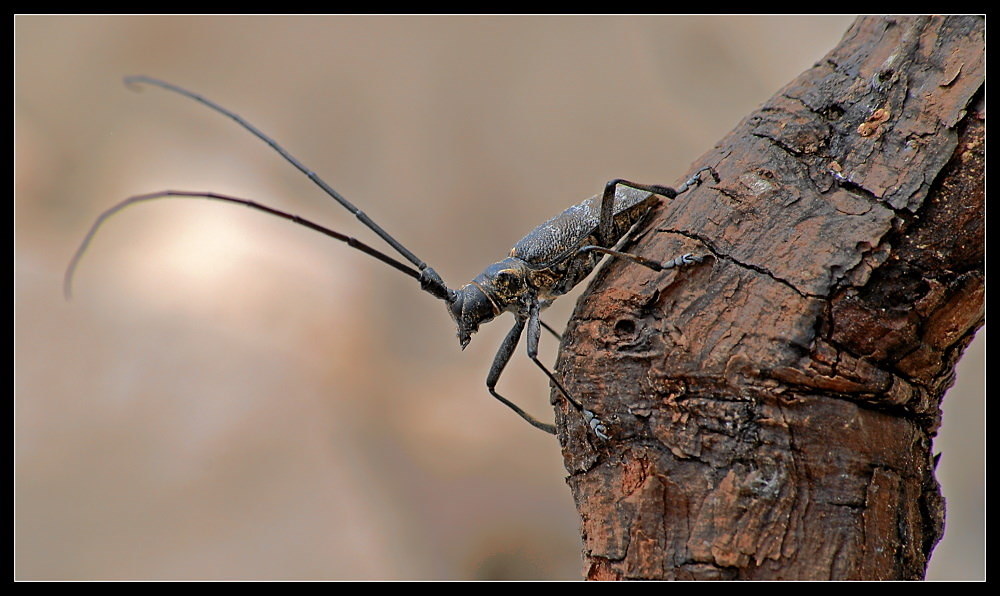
x,y
771,411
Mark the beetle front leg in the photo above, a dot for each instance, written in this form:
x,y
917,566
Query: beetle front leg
x,y
534,334
548,328
499,363
543,304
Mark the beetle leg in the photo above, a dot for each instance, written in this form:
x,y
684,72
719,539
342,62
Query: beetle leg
x,y
551,330
499,363
606,223
534,334
542,305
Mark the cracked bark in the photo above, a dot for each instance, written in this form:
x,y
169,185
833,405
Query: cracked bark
x,y
771,411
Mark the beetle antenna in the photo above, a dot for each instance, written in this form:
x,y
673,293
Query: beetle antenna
x,y
134,81
184,194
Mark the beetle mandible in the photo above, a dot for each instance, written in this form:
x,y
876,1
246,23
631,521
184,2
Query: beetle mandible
x,y
545,264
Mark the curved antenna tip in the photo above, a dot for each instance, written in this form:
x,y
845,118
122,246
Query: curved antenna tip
x,y
68,280
133,81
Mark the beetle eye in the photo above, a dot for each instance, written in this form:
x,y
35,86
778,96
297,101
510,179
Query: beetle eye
x,y
508,280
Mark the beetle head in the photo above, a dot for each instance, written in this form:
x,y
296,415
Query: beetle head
x,y
490,293
471,308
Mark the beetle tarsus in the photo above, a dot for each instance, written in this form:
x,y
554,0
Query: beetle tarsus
x,y
682,261
695,179
596,425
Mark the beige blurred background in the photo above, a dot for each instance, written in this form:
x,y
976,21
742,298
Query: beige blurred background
x,y
232,396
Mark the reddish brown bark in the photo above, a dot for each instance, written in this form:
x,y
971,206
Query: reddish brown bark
x,y
771,411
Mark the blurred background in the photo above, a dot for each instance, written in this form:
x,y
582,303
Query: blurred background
x,y
230,396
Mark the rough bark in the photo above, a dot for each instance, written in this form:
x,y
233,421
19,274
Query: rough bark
x,y
771,411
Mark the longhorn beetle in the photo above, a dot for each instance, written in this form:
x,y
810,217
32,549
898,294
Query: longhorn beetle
x,y
542,266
